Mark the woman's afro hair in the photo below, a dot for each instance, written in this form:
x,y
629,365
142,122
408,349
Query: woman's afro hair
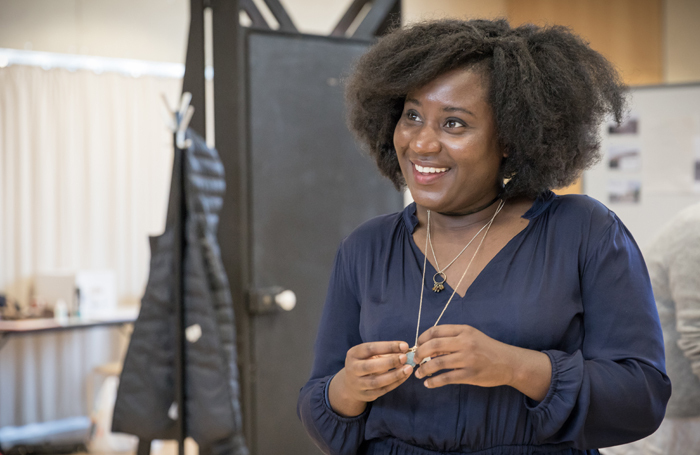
x,y
549,92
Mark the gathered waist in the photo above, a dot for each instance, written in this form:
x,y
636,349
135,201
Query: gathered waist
x,y
393,446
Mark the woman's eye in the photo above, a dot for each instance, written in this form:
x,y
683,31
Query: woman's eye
x,y
453,123
413,115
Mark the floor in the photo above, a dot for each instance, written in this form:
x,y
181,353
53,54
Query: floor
x,y
157,448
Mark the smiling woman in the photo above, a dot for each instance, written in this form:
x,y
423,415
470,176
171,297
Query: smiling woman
x,y
452,114
538,332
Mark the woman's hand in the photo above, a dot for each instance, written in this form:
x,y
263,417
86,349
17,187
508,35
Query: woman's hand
x,y
471,357
371,370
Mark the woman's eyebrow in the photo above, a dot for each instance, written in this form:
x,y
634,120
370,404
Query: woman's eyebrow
x,y
446,109
458,109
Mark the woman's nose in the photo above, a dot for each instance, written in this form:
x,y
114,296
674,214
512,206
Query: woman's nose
x,y
425,141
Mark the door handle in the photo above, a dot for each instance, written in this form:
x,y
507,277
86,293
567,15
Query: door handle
x,y
271,300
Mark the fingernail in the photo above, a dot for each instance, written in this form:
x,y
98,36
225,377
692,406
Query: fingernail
x,y
427,383
403,346
402,358
419,374
407,369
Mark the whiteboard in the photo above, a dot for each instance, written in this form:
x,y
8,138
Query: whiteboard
x,y
650,171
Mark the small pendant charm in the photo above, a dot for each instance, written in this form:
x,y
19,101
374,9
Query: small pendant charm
x,y
410,355
439,285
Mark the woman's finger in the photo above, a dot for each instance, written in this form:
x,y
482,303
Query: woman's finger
x,y
435,364
442,331
448,377
379,381
377,365
371,349
388,388
436,347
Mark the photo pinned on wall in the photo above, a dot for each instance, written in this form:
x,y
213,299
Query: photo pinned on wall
x,y
630,125
624,191
624,157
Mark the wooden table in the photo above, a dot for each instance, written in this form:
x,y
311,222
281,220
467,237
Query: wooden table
x,y
121,318
43,325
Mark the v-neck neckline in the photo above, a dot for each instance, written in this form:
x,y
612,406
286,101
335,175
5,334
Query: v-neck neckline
x,y
411,220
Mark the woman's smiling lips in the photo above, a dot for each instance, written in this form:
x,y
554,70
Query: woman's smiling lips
x,y
425,175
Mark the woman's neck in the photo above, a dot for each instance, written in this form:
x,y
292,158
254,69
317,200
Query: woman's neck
x,y
456,221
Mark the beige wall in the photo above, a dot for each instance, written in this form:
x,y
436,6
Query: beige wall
x,y
628,32
315,16
157,29
682,41
141,29
652,41
416,10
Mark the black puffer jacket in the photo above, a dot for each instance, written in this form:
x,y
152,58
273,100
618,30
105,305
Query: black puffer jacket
x,y
147,385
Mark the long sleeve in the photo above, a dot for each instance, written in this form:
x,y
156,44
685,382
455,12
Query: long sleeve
x,y
338,332
614,389
684,285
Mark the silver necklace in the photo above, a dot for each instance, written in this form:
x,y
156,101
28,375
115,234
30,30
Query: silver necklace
x,y
412,352
440,285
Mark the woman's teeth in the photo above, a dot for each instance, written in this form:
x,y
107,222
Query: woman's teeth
x,y
430,170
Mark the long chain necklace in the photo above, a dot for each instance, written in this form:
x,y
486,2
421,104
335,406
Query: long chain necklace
x,y
411,352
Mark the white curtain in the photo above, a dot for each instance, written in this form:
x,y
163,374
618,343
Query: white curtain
x,y
85,162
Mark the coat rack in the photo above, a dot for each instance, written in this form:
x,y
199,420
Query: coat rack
x,y
229,56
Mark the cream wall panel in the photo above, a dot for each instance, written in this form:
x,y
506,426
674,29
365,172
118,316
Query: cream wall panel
x,y
627,32
153,30
682,41
47,25
157,29
316,16
147,30
416,10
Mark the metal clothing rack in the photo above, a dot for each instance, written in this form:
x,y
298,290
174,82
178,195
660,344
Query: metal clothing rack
x,y
231,127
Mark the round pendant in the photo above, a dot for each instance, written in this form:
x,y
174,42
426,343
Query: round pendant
x,y
439,285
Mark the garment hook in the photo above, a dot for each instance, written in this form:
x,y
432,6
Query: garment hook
x,y
178,120
180,140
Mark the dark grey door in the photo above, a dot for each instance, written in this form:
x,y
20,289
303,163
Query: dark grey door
x,y
309,187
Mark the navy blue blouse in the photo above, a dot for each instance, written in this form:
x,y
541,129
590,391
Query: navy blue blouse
x,y
572,284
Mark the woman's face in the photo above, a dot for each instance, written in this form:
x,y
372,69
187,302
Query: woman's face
x,y
446,143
